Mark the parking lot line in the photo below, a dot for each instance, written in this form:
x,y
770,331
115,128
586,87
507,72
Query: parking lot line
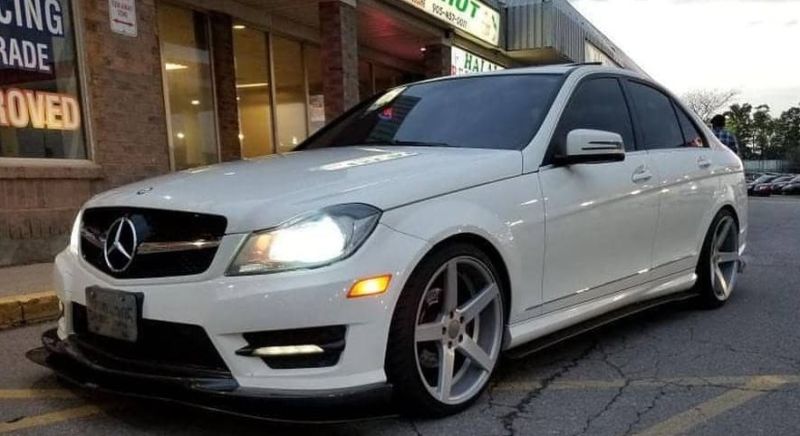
x,y
643,383
49,418
683,422
24,394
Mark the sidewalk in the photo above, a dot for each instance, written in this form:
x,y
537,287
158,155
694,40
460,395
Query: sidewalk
x,y
26,295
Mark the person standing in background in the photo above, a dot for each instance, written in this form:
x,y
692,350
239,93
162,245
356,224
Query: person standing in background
x,y
724,135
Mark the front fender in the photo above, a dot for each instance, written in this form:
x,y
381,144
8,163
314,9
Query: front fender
x,y
507,214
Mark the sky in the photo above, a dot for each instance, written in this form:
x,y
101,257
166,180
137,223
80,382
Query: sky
x,y
752,46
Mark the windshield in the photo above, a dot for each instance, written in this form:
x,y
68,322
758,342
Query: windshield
x,y
501,112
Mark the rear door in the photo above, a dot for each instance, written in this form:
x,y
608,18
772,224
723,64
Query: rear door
x,y
681,157
600,217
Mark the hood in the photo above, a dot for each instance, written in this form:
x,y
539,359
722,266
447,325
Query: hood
x,y
261,193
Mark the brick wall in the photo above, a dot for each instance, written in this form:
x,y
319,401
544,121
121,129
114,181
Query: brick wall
x,y
339,30
37,206
225,86
438,59
126,95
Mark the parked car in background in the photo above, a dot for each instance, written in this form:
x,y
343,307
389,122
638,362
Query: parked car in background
x,y
792,187
760,183
774,187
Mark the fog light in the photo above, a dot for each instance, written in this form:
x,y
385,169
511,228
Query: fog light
x,y
288,350
370,286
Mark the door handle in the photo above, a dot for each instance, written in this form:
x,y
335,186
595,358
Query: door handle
x,y
703,162
642,174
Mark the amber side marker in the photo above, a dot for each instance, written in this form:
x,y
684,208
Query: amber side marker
x,y
370,286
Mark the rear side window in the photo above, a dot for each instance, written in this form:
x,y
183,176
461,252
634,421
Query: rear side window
x,y
656,118
597,104
691,136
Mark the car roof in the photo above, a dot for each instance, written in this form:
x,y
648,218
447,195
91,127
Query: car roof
x,y
584,68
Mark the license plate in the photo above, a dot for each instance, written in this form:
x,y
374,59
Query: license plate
x,y
114,314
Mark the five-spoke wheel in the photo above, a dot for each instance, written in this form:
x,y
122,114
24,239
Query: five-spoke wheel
x,y
720,261
447,331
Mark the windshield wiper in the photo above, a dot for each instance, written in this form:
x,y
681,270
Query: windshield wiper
x,y
409,143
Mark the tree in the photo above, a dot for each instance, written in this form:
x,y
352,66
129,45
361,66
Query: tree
x,y
740,122
707,102
788,134
764,132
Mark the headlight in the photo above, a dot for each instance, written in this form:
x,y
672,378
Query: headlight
x,y
75,235
307,241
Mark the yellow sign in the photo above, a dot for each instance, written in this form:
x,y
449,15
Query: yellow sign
x,y
23,108
471,16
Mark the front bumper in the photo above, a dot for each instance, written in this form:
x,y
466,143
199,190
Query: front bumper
x,y
216,392
228,309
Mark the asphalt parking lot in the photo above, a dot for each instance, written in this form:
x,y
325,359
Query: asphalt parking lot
x,y
672,370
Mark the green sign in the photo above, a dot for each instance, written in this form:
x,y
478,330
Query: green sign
x,y
471,16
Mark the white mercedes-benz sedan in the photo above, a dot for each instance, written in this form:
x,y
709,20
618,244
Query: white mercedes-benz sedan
x,y
405,246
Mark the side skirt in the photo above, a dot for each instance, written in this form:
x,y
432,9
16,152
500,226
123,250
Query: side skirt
x,y
586,326
593,311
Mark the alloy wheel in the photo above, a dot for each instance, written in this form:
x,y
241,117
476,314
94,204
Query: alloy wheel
x,y
724,258
459,330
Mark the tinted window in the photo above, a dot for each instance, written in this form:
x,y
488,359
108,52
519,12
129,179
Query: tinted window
x,y
656,118
691,136
477,112
600,105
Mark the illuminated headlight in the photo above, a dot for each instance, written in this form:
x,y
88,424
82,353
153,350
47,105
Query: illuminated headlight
x,y
308,241
75,235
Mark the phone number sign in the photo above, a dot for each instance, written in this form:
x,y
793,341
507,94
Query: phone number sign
x,y
471,16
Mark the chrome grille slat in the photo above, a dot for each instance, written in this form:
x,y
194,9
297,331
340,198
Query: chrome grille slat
x,y
170,247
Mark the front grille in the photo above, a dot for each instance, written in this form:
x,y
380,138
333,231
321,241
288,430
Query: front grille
x,y
153,226
163,348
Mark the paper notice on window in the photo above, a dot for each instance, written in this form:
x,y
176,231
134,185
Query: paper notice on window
x,y
316,108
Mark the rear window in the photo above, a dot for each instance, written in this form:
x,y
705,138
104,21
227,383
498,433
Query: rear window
x,y
501,112
656,118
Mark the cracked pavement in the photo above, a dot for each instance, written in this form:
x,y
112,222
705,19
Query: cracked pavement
x,y
670,370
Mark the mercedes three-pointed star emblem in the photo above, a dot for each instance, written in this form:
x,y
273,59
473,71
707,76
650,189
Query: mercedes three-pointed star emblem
x,y
120,246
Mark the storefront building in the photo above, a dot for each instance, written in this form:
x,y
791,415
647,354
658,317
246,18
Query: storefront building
x,y
98,93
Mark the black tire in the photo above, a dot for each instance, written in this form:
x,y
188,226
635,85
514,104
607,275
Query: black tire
x,y
708,299
410,394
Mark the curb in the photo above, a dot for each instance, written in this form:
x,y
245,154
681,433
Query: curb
x,y
25,309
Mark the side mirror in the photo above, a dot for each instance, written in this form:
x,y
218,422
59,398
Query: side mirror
x,y
591,146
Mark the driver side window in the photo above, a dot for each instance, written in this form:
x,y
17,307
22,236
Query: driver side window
x,y
597,104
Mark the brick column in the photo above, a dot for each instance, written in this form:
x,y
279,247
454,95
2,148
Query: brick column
x,y
225,86
437,60
339,37
126,98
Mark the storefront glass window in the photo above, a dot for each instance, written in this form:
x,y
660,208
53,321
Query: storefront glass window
x,y
316,98
40,104
188,86
290,93
253,91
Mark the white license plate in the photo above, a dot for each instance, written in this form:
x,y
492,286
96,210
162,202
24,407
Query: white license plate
x,y
114,314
